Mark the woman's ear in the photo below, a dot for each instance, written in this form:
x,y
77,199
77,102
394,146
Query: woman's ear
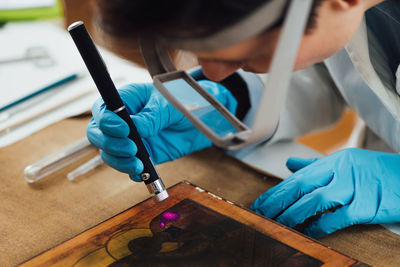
x,y
345,4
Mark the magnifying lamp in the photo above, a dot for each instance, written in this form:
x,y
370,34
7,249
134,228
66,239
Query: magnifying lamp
x,y
208,115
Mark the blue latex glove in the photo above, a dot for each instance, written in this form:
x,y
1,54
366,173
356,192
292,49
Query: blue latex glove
x,y
363,185
165,132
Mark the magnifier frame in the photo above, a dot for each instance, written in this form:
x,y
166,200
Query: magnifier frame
x,y
243,131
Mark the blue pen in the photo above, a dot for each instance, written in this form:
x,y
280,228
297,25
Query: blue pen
x,y
38,92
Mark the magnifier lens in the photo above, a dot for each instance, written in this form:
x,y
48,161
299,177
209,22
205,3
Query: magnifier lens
x,y
200,107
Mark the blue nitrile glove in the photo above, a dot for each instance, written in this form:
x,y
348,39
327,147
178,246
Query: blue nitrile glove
x,y
165,132
363,185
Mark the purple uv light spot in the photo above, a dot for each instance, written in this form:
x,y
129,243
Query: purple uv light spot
x,y
168,216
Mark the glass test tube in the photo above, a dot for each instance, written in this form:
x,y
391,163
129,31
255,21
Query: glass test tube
x,y
57,160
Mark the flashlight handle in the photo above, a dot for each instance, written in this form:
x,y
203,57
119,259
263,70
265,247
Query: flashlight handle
x,y
142,153
109,93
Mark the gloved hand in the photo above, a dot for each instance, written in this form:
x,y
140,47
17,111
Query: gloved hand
x,y
363,185
165,132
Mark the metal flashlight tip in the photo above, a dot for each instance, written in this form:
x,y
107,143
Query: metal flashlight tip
x,y
161,196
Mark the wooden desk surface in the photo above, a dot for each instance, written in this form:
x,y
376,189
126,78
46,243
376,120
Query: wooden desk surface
x,y
37,217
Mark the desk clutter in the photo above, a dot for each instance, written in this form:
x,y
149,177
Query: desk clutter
x,y
44,80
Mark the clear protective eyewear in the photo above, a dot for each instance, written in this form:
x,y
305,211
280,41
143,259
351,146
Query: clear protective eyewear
x,y
202,109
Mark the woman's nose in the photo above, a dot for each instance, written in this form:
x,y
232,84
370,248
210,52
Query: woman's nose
x,y
217,71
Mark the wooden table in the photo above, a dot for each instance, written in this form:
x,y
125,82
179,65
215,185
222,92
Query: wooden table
x,y
37,217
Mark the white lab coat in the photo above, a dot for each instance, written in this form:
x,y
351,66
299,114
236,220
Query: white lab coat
x,y
373,96
317,97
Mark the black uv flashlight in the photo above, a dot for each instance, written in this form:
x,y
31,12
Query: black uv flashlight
x,y
113,101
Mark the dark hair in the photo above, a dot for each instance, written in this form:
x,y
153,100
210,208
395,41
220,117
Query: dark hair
x,y
176,18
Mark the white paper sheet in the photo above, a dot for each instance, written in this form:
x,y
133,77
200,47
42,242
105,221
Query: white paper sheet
x,y
23,4
22,78
271,158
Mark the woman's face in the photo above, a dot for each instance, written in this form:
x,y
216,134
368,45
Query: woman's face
x,y
337,21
